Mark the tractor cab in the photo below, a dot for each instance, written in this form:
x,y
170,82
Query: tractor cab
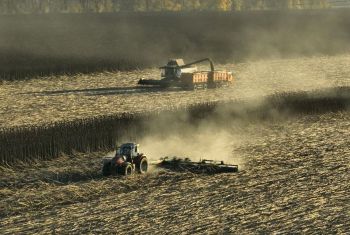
x,y
128,150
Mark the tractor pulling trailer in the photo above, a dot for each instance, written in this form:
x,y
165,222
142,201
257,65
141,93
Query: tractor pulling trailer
x,y
178,74
127,160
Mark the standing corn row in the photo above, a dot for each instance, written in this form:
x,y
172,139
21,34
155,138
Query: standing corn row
x,y
83,135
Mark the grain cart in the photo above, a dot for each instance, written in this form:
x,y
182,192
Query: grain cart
x,y
126,161
178,74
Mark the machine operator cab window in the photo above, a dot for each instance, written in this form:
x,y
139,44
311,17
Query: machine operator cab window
x,y
171,72
124,150
128,150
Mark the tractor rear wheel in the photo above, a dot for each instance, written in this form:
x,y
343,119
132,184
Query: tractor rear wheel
x,y
142,166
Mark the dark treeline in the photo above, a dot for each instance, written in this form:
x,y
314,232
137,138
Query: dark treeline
x,y
26,144
56,43
98,6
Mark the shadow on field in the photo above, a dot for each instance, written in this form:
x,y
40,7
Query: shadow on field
x,y
104,91
39,176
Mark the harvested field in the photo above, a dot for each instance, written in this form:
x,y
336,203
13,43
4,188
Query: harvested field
x,y
66,98
294,178
285,122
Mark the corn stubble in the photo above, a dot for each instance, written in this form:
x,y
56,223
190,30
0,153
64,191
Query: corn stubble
x,y
294,168
66,98
294,174
294,178
90,113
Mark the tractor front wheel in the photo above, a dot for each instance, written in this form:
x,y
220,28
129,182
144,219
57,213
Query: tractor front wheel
x,y
125,169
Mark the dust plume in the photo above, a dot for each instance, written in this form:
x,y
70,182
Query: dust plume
x,y
204,144
181,136
215,133
54,43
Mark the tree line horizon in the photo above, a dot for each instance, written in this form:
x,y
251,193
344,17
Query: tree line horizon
x,y
100,6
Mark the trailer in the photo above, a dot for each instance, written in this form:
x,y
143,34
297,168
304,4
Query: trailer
x,y
128,160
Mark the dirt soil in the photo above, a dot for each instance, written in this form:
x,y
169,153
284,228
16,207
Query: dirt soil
x,y
294,177
58,98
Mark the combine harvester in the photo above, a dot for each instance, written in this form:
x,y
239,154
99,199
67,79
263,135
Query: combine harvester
x,y
178,74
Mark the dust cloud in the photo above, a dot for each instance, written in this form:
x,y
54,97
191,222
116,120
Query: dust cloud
x,y
180,136
92,42
216,133
204,144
